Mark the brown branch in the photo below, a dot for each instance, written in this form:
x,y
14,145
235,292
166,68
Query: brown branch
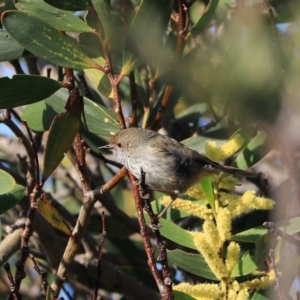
x,y
17,66
146,240
134,99
277,232
162,254
5,118
272,265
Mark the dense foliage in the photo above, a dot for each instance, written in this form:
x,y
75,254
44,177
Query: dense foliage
x,y
220,76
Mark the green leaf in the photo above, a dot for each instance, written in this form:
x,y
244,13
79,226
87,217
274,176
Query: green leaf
x,y
175,233
220,136
207,187
97,119
204,20
51,214
72,5
7,182
45,41
40,115
258,296
250,236
248,264
102,10
9,48
59,19
193,263
130,62
25,89
182,296
99,79
10,199
252,153
62,133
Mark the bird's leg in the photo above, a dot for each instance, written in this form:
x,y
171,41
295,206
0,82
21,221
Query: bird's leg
x,y
173,196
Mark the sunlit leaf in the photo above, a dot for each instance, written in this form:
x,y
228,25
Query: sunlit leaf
x,y
248,263
207,188
193,263
97,119
253,152
51,214
7,182
45,41
250,236
175,233
258,296
13,197
59,19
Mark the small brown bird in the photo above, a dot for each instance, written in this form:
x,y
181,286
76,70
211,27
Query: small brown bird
x,y
170,166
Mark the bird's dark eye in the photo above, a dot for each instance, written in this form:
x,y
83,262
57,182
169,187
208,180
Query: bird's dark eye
x,y
119,145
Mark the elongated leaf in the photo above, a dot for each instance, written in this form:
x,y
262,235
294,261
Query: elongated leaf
x,y
25,89
9,48
193,263
102,10
250,236
99,79
72,5
39,116
59,19
252,153
97,119
207,187
205,18
258,296
130,62
175,233
248,264
62,133
52,215
7,182
10,199
45,41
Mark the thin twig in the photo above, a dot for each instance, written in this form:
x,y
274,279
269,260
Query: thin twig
x,y
133,94
99,268
277,232
43,276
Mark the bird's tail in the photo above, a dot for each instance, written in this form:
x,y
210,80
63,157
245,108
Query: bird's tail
x,y
235,171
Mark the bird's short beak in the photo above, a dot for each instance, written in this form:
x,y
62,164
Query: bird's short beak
x,y
106,147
